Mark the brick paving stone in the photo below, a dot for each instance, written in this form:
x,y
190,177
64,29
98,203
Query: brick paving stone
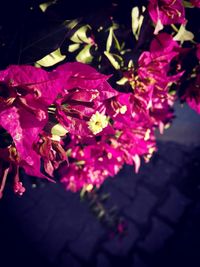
x,y
172,153
116,196
59,232
157,236
64,225
120,246
35,221
174,205
126,180
102,261
141,206
84,245
157,172
58,217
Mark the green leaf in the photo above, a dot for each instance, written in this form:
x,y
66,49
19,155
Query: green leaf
x,y
187,4
73,47
105,196
122,81
51,59
84,55
130,64
45,5
116,42
80,36
114,59
68,152
109,40
58,130
80,162
70,24
112,40
101,214
137,20
183,35
83,193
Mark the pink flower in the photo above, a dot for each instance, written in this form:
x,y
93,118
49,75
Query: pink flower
x,y
21,81
165,12
23,129
85,77
151,101
155,63
192,94
195,3
25,94
90,164
198,51
118,105
51,152
75,93
85,94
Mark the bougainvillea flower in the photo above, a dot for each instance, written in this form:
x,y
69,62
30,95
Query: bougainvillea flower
x,y
90,164
135,139
51,152
118,105
192,94
150,100
24,129
77,116
25,94
91,161
85,93
20,80
22,139
166,12
97,122
155,63
87,78
195,3
28,91
198,51
30,88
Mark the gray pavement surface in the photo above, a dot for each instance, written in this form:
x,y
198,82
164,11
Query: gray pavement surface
x,y
160,207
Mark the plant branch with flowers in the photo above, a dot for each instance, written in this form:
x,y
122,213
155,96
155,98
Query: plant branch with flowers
x,y
92,105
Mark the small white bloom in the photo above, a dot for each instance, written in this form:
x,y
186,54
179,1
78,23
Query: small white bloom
x,y
97,123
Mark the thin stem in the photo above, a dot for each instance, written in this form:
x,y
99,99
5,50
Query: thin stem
x,y
174,28
3,182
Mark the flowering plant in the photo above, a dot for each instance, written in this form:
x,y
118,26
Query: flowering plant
x,y
81,126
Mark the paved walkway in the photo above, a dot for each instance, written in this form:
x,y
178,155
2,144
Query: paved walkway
x,y
160,208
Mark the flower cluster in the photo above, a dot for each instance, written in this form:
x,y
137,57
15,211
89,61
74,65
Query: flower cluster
x,y
70,123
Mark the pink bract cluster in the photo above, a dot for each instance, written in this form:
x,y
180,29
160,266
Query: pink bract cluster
x,y
166,12
192,93
171,13
71,123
